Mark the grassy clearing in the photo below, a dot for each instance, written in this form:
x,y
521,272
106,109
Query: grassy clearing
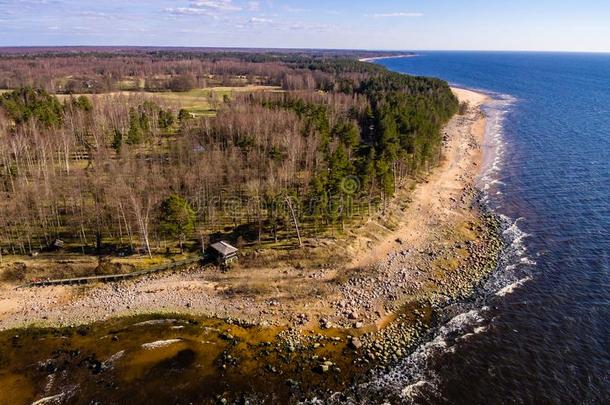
x,y
206,101
200,102
131,84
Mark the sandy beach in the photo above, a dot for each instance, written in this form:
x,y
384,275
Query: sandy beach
x,y
409,55
435,230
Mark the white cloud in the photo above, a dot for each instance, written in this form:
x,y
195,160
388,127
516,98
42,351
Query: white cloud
x,y
188,11
254,5
246,15
310,27
393,15
221,5
260,20
270,24
291,9
82,28
210,8
96,14
23,2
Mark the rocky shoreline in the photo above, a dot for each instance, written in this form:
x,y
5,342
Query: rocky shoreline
x,y
296,364
413,322
342,322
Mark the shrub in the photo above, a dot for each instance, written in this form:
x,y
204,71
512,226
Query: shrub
x,y
182,83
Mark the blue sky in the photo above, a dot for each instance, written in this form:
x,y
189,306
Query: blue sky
x,y
564,25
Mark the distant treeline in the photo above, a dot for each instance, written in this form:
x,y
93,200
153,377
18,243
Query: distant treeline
x,y
98,71
129,170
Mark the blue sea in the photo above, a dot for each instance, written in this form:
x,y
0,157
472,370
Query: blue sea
x,y
539,332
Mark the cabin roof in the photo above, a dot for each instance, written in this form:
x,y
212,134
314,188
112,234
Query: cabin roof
x,y
224,248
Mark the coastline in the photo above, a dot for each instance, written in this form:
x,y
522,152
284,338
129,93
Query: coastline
x,y
326,335
407,55
438,206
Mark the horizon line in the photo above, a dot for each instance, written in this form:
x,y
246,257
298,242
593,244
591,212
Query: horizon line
x,y
307,48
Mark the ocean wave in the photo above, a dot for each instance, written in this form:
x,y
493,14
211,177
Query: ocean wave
x,y
509,289
413,379
412,376
494,144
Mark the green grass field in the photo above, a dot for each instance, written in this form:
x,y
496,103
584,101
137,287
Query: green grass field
x,y
201,101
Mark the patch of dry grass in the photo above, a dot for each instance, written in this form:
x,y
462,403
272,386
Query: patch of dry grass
x,y
58,265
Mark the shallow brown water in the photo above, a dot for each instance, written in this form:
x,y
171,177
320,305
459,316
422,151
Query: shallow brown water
x,y
153,359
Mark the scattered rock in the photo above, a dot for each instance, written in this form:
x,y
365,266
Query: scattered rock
x,y
325,323
355,343
324,367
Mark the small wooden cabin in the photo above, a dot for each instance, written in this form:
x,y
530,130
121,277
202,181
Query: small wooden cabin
x,y
224,252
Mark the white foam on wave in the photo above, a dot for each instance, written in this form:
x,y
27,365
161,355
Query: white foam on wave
x,y
412,375
413,378
515,255
527,261
514,266
494,145
509,289
61,398
515,236
410,391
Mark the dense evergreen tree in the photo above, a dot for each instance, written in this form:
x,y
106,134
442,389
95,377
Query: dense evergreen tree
x,y
177,218
166,118
135,134
26,103
117,141
83,103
